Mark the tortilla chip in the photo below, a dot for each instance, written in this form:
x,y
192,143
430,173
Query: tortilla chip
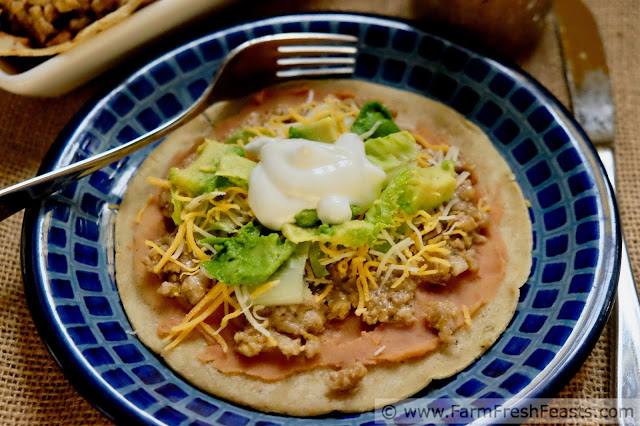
x,y
307,393
11,45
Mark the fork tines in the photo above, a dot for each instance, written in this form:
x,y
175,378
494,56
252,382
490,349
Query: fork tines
x,y
317,54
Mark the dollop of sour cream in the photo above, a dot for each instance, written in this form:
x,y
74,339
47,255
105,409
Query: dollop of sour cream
x,y
297,174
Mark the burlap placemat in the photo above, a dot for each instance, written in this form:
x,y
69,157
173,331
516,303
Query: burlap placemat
x,y
34,391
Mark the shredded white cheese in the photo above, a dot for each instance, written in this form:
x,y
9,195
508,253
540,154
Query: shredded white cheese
x,y
379,351
395,249
461,177
178,251
209,195
310,97
243,297
371,131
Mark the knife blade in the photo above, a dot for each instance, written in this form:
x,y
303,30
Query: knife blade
x,y
589,86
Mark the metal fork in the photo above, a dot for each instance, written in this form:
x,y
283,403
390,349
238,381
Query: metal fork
x,y
249,67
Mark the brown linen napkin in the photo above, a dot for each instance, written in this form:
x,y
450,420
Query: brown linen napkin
x,y
33,390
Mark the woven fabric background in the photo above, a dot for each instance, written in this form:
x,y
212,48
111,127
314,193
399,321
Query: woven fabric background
x,y
32,388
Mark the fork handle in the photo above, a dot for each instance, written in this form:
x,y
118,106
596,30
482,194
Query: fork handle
x,y
17,197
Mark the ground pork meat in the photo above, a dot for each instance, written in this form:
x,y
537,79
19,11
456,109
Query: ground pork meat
x,y
312,348
300,320
47,23
466,223
385,304
170,271
458,264
169,289
166,205
102,7
194,287
391,304
457,244
465,191
338,303
442,316
342,297
176,284
469,211
253,119
470,257
440,277
293,327
346,379
250,342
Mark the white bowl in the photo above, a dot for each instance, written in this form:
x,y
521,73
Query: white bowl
x,y
64,72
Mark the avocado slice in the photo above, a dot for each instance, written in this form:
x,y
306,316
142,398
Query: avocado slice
x,y
315,254
216,166
245,136
307,218
324,130
354,233
412,189
427,189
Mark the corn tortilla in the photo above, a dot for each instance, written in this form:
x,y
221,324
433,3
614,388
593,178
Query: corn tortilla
x,y
307,393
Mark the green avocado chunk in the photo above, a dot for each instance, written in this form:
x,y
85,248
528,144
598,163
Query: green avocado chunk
x,y
369,115
248,257
291,288
427,188
450,166
412,189
244,135
353,233
392,153
325,130
315,254
177,207
216,166
307,218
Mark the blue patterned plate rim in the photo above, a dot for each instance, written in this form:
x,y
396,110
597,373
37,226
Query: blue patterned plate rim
x,y
562,366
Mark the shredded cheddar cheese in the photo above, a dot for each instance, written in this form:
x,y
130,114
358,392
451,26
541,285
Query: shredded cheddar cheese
x,y
264,288
196,316
425,144
211,333
162,183
467,316
325,293
143,208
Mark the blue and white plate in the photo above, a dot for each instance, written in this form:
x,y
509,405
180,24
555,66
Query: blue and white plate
x,y
68,240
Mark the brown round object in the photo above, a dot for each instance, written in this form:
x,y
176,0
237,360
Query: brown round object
x,y
505,26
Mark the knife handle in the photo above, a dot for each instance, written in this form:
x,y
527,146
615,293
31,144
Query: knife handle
x,y
626,320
